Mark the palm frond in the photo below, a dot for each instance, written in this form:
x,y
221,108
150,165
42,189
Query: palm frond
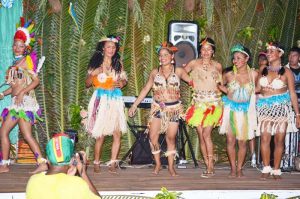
x,y
288,29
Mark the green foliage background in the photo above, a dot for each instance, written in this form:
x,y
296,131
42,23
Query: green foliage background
x,y
142,24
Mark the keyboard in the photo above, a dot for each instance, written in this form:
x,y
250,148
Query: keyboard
x,y
129,100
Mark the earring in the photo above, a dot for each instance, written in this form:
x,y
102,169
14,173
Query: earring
x,y
160,63
172,62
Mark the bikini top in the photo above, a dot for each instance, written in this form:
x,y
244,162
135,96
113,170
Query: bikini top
x,y
166,89
275,84
15,73
241,93
160,82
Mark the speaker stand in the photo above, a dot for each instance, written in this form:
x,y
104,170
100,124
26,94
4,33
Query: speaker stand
x,y
184,137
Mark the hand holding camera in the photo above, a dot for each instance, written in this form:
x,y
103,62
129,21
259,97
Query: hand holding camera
x,y
78,164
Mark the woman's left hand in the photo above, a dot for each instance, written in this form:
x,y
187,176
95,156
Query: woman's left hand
x,y
119,84
19,98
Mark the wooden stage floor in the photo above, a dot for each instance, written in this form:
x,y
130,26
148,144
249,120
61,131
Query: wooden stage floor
x,y
140,178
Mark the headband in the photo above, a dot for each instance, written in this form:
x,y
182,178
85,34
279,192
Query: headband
x,y
112,38
164,45
239,48
273,47
205,41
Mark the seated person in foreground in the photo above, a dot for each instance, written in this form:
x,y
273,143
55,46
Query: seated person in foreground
x,y
59,181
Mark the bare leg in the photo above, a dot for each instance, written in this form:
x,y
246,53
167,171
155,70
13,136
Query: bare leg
x,y
115,150
252,152
241,157
265,151
6,127
155,148
97,153
252,145
170,138
202,145
209,148
231,140
279,148
25,128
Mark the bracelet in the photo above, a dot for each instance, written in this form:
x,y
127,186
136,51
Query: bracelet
x,y
298,114
2,95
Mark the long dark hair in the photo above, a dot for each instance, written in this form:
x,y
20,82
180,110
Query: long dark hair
x,y
281,71
97,58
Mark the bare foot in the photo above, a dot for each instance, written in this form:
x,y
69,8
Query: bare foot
x,y
277,177
207,174
172,172
4,169
42,167
264,176
232,174
240,174
96,168
113,169
156,169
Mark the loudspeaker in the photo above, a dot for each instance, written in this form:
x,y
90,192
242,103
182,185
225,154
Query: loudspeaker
x,y
141,153
184,35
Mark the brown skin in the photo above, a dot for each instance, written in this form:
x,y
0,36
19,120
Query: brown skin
x,y
16,89
165,57
240,61
273,56
109,51
204,134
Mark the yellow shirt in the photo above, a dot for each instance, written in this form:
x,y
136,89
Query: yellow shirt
x,y
58,186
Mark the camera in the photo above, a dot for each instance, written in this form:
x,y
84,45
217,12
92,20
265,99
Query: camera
x,y
75,160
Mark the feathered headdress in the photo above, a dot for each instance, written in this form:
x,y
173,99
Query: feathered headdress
x,y
239,48
164,45
25,32
205,41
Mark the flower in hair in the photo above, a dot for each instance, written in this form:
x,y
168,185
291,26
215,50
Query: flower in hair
x,y
112,38
205,41
165,46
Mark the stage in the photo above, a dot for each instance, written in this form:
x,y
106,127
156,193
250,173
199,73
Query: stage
x,y
138,180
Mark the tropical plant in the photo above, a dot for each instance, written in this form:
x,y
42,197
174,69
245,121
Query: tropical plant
x,y
142,24
165,194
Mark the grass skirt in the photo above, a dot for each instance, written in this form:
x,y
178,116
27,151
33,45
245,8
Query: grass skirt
x,y
167,114
29,110
106,113
204,114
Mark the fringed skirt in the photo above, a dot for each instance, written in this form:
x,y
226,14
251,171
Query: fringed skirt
x,y
167,112
204,114
29,110
106,113
275,114
236,120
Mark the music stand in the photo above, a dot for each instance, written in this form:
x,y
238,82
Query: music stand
x,y
183,138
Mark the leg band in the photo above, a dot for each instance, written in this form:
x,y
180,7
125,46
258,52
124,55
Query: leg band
x,y
5,162
267,169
